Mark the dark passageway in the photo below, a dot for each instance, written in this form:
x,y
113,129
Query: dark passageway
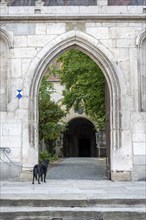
x,y
84,147
80,139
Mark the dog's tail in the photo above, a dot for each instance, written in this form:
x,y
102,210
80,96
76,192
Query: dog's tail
x,y
35,173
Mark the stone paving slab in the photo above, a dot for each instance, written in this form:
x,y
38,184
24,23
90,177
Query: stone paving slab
x,y
73,209
73,213
77,189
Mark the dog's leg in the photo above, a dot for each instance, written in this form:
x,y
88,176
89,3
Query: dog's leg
x,y
33,176
44,177
33,180
41,177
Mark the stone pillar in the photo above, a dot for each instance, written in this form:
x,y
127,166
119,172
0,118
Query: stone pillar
x,y
39,3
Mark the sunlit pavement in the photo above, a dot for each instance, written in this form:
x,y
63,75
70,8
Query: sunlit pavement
x,y
81,168
76,189
75,178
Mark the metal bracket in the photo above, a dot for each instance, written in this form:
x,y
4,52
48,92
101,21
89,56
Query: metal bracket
x,y
5,149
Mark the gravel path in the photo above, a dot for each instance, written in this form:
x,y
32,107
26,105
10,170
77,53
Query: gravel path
x,y
78,169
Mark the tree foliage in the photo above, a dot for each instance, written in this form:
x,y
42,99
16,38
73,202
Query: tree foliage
x,y
84,84
50,113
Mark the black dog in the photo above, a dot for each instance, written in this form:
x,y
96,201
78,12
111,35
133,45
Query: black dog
x,y
40,171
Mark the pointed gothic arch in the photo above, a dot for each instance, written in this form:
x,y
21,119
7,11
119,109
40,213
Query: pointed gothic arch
x,y
96,51
6,37
141,46
5,45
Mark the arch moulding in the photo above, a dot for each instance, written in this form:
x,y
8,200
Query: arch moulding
x,y
139,42
96,51
5,36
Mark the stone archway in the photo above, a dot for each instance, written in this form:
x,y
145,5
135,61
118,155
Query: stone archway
x,y
96,51
80,139
5,45
141,46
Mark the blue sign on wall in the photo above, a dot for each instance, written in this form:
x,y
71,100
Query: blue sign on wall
x,y
19,94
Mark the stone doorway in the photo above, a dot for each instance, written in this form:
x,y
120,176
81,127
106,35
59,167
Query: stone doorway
x,y
79,139
80,41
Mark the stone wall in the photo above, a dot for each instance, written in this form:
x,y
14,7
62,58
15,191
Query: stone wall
x,y
35,36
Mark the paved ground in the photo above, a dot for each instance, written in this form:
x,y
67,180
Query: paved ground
x,y
76,189
74,179
73,189
78,169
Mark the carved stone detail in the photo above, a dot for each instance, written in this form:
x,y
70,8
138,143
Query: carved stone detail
x,y
39,3
3,3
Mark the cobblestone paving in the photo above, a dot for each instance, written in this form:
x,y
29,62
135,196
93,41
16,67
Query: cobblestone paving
x,y
78,169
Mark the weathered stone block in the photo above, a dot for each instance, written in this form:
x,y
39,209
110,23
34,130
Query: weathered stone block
x,y
85,10
125,43
25,65
26,176
39,40
20,41
121,32
63,10
139,148
41,28
12,106
98,32
21,10
121,175
10,173
138,127
139,137
113,10
139,173
122,54
24,52
16,68
93,24
102,2
23,103
139,160
56,28
75,26
13,142
21,28
11,129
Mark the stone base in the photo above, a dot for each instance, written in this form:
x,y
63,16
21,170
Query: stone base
x,y
25,175
9,172
139,173
121,176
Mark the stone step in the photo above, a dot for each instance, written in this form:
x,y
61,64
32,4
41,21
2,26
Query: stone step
x,y
115,202
74,213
